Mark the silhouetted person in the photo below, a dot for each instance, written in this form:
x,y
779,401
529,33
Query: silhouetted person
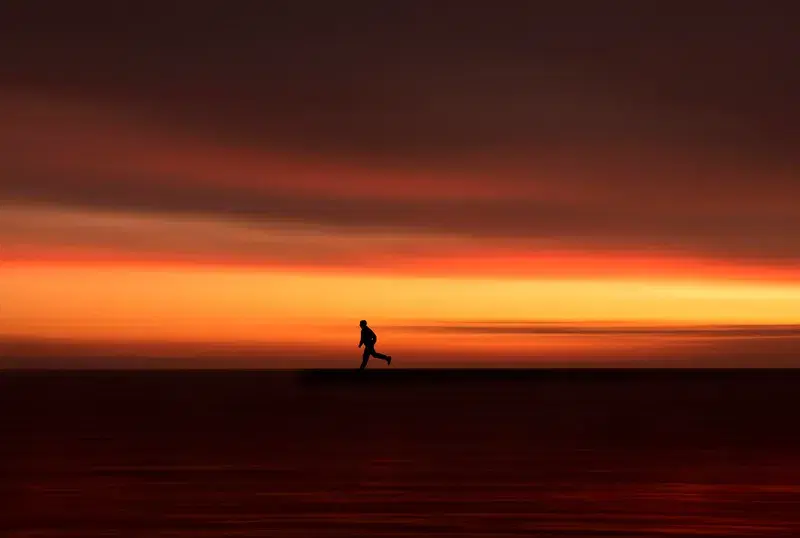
x,y
368,339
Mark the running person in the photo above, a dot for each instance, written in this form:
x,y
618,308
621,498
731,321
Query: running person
x,y
368,339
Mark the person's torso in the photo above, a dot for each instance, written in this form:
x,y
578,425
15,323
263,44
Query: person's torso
x,y
367,335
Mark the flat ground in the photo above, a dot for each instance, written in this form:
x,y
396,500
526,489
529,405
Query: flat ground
x,y
393,452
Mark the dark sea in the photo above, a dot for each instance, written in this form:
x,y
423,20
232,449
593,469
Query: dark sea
x,y
397,453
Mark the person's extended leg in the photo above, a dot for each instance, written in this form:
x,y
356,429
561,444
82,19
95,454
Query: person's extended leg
x,y
381,356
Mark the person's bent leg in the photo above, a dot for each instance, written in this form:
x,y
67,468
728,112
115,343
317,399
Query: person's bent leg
x,y
380,355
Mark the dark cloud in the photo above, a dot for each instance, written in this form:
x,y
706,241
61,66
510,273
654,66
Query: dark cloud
x,y
421,79
672,130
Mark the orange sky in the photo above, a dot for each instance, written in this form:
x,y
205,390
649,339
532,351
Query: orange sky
x,y
109,277
523,211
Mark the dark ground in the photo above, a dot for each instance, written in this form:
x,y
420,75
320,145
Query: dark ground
x,y
400,453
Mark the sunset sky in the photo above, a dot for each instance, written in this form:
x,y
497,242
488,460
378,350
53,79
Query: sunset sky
x,y
492,184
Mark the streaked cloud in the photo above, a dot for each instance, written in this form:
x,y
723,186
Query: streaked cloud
x,y
588,329
84,156
44,233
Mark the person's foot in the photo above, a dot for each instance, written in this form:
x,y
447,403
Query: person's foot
x,y
389,359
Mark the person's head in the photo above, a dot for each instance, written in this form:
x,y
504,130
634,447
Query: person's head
x,y
362,323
